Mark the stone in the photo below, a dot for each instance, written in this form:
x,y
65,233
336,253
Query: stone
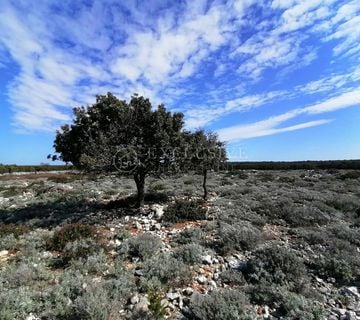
x,y
353,291
32,317
206,259
142,305
173,296
232,262
350,315
157,226
201,279
139,272
3,253
164,303
134,299
158,209
216,276
188,291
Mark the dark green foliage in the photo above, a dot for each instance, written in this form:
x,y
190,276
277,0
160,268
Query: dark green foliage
x,y
238,237
188,236
189,253
70,233
14,229
156,197
333,267
142,246
113,135
233,277
184,210
295,165
350,175
277,265
221,304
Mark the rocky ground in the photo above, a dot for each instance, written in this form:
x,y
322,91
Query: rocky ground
x,y
266,245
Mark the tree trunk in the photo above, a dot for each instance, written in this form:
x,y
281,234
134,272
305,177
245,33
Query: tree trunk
x,y
204,184
140,186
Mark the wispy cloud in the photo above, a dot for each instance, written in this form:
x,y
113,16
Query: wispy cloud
x,y
272,125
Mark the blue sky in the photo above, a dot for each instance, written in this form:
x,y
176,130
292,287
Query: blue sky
x,y
278,80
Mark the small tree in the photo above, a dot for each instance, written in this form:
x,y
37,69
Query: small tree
x,y
129,137
204,152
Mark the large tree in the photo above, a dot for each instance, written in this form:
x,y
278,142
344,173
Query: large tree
x,y
129,137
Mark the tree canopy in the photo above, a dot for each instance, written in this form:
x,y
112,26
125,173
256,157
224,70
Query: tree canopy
x,y
132,138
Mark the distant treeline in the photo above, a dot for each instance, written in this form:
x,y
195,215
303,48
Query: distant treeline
x,y
250,165
295,165
12,168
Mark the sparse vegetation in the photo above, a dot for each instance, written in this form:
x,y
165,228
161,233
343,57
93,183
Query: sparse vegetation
x,y
283,243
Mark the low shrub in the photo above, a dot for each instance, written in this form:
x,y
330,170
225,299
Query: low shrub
x,y
62,178
164,271
294,306
70,233
17,303
344,203
344,232
350,175
95,263
312,236
75,250
157,186
97,302
237,237
220,304
277,265
79,297
142,246
23,274
243,175
12,192
183,210
188,236
15,229
9,242
233,277
306,216
189,253
333,267
156,197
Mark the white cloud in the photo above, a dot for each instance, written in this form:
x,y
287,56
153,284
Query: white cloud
x,y
262,128
68,55
199,117
271,125
345,100
333,82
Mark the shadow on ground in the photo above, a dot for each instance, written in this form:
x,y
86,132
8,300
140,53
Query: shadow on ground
x,y
56,213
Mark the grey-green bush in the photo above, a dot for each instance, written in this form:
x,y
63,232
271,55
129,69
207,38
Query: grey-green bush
x,y
224,304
